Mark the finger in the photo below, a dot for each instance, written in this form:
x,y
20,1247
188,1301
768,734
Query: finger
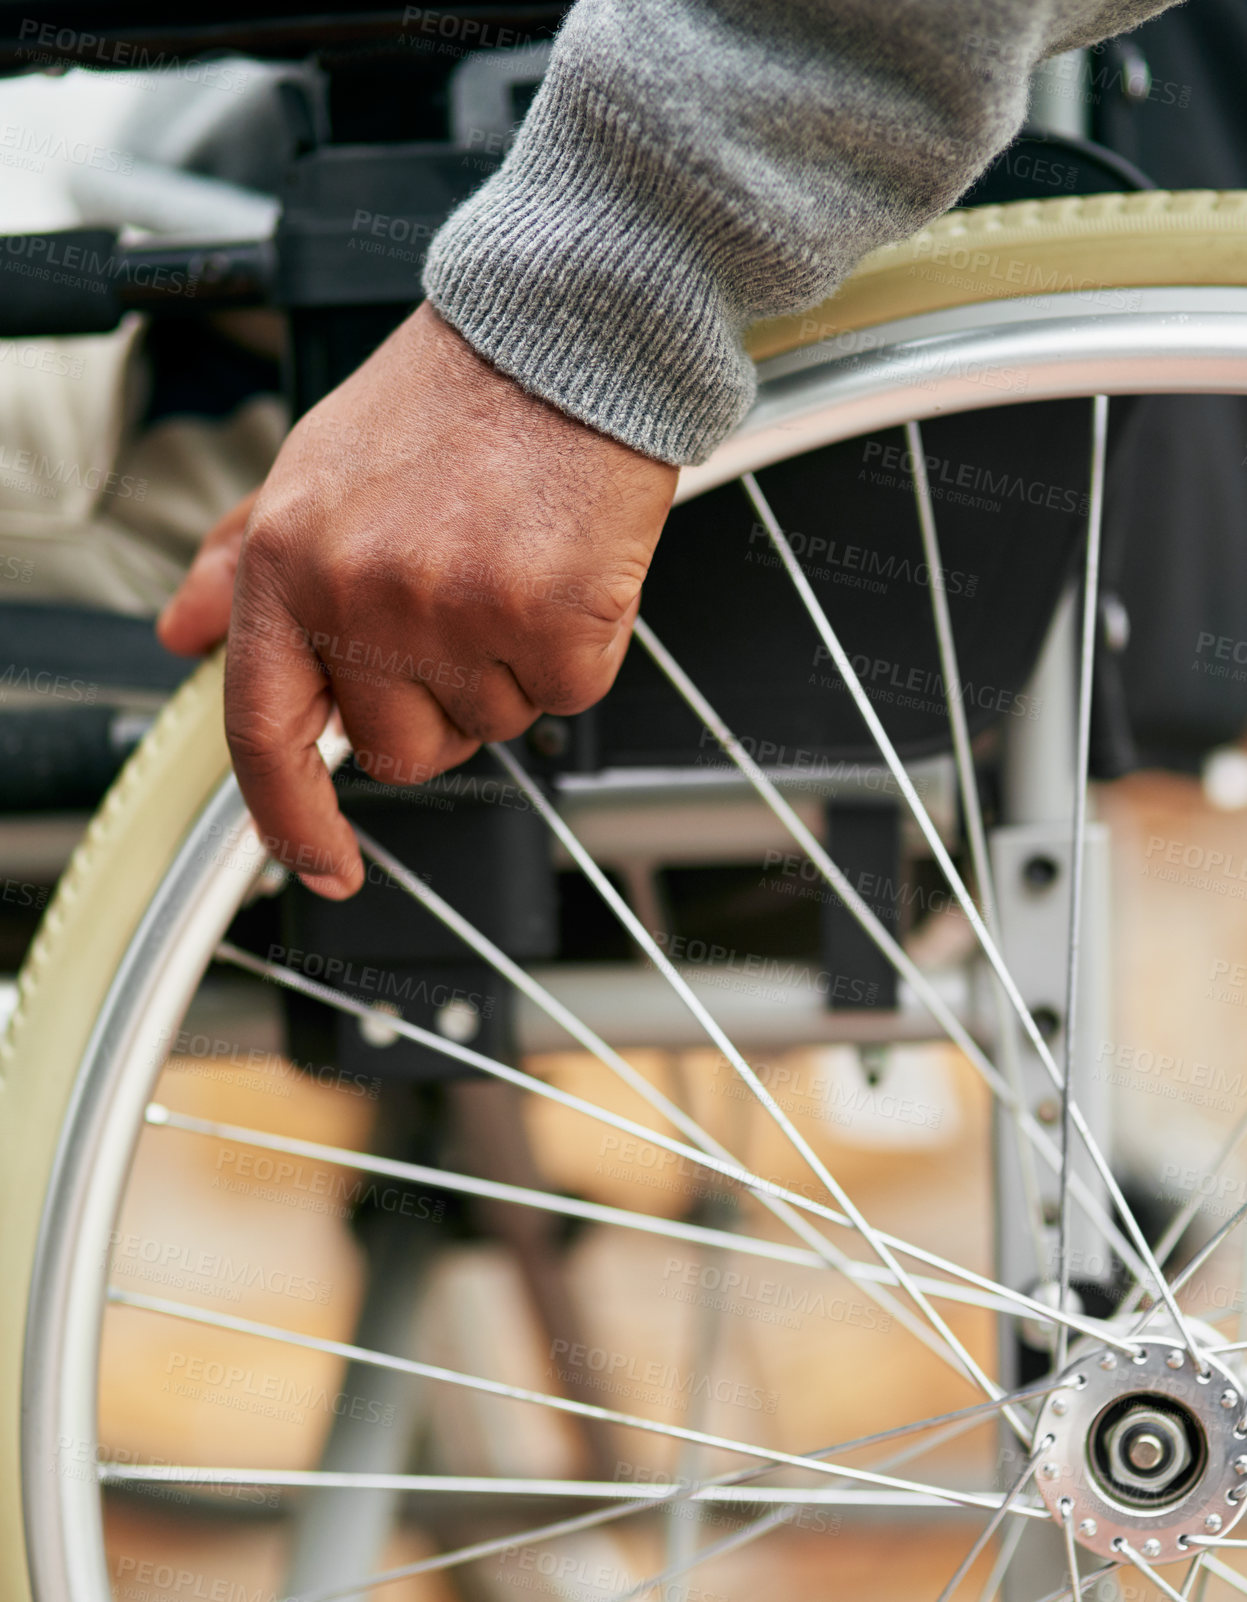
x,y
399,733
197,616
565,676
485,703
277,701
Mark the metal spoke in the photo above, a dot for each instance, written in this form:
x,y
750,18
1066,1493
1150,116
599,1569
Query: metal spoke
x,y
714,1549
874,928
471,1485
1071,1552
1145,1568
1178,1226
658,1497
1086,673
976,834
1008,1551
523,1196
1011,1304
633,1497
1195,1264
1231,1577
994,1523
1065,1594
778,1116
291,979
611,1059
561,1404
1196,1573
840,884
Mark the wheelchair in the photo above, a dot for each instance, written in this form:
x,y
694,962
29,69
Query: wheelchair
x,y
718,1116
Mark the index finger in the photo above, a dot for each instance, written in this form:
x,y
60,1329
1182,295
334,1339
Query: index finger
x,y
277,704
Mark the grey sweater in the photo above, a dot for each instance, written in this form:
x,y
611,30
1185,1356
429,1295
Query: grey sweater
x,y
690,166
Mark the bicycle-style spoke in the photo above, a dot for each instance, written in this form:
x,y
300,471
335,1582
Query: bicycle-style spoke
x,y
161,1117
873,927
1196,1575
770,1521
654,1498
1179,1225
1064,1594
777,1114
415,887
1005,1555
462,1485
1082,767
725,1489
291,979
1071,1551
994,1523
1145,1568
976,834
923,819
561,1404
1225,1573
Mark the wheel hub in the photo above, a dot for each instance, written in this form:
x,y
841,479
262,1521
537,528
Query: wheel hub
x,y
1147,1449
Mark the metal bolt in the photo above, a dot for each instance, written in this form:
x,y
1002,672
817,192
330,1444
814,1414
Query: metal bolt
x,y
1039,872
1151,1548
1087,1527
1228,1399
550,736
374,1029
1060,1406
1240,1465
1048,1110
1145,1451
1174,1360
1108,1361
1050,1470
459,1021
1212,1523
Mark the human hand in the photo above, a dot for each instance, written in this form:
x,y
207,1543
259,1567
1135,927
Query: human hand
x,y
436,551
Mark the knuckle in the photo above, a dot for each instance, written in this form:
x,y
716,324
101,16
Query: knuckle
x,y
255,745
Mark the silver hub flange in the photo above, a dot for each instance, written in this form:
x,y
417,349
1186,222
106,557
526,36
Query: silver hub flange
x,y
1146,1449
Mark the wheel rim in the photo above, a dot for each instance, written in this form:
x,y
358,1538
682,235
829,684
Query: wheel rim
x,y
1066,350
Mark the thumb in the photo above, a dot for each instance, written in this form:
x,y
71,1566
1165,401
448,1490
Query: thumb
x,y
197,616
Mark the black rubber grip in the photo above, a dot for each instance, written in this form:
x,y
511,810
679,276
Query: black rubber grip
x,y
71,282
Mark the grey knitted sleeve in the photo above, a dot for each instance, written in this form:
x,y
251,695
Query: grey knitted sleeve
x,y
690,166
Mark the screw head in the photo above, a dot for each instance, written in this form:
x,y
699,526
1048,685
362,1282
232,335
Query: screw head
x,y
1048,1110
1240,1465
1174,1360
1059,1406
1050,1470
550,736
458,1020
1228,1399
1212,1523
1108,1361
1039,872
1087,1527
1151,1547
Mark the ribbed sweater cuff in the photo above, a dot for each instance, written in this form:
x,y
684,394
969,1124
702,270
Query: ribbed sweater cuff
x,y
584,268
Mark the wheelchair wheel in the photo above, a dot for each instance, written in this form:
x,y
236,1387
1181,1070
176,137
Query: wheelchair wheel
x,y
1008,1397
